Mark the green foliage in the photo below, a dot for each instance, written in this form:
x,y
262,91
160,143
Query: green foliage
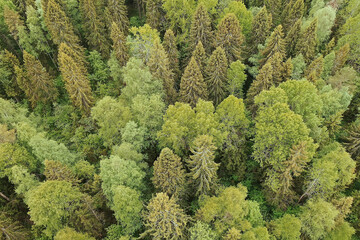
x,y
298,67
236,79
287,227
69,233
201,231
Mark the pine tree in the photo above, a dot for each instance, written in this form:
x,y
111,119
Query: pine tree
x,y
200,57
292,38
169,173
306,44
94,24
159,67
75,75
275,44
340,58
41,85
295,13
315,69
116,11
261,28
192,86
165,219
202,165
200,30
216,76
169,44
154,13
119,47
230,37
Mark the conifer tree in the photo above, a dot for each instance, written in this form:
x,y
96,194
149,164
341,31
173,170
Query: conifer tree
x,y
159,67
278,65
119,48
200,57
287,69
41,86
8,65
202,165
275,8
216,76
353,140
230,37
165,219
116,11
261,28
306,44
340,58
169,173
75,75
200,30
292,38
154,14
94,24
169,44
192,86
13,22
315,68
275,44
296,12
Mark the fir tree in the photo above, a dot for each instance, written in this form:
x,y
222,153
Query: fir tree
x,y
306,44
292,38
216,76
200,30
315,68
41,86
200,57
154,14
230,37
94,24
296,12
169,44
119,47
192,86
159,67
261,28
116,11
75,75
202,165
340,58
169,173
275,44
165,219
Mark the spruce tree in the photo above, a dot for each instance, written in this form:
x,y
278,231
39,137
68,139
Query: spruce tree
x,y
94,24
154,14
315,68
277,64
202,165
261,28
116,11
275,7
216,76
306,44
119,47
169,44
13,22
164,218
41,85
159,67
169,173
292,38
200,30
287,70
230,37
340,58
75,75
295,13
275,44
192,86
200,57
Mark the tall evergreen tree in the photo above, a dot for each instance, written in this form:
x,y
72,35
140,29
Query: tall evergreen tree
x,y
41,85
94,24
202,165
154,13
261,28
159,67
230,37
116,11
275,8
169,173
275,44
200,57
192,86
315,68
296,12
13,22
340,58
307,42
216,76
119,48
75,75
200,30
169,44
292,38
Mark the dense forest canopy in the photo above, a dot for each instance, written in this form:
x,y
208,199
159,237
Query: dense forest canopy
x,y
179,119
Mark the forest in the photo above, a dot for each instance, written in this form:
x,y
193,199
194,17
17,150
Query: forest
x,y
180,119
